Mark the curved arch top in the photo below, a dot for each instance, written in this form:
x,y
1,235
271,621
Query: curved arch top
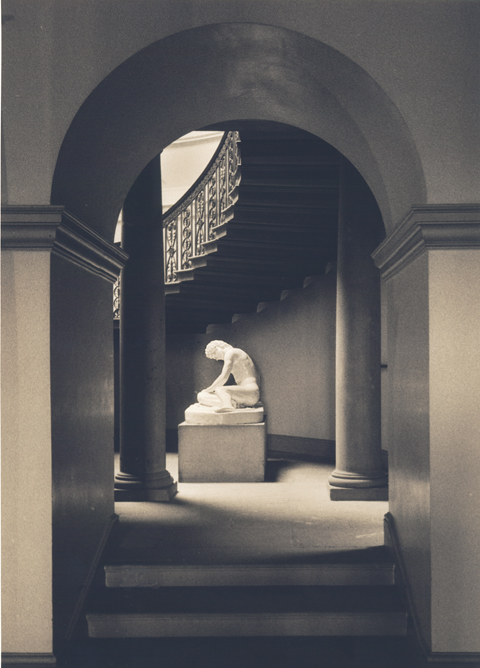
x,y
221,72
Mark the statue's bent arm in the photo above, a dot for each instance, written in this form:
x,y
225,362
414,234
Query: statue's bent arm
x,y
224,376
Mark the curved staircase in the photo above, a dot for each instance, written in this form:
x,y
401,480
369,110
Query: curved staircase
x,y
276,225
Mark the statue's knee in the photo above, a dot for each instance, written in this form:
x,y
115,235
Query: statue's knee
x,y
207,398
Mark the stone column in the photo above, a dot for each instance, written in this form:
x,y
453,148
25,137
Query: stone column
x,y
358,474
142,475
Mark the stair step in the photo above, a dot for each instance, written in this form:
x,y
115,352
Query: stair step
x,y
272,267
259,161
325,214
251,278
247,611
185,625
254,652
267,248
221,575
246,599
277,236
227,289
296,202
211,304
288,187
307,176
293,148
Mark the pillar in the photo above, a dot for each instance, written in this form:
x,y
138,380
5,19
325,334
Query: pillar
x,y
358,474
143,476
431,268
57,423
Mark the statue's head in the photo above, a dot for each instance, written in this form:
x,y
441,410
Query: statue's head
x,y
214,350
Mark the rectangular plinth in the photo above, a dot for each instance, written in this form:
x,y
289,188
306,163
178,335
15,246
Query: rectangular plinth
x,y
221,453
166,494
358,493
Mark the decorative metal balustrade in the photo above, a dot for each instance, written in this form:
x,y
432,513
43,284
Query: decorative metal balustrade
x,y
192,222
116,299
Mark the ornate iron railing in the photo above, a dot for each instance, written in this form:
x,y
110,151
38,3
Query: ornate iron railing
x,y
192,222
116,299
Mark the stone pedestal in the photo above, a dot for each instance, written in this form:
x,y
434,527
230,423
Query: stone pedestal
x,y
199,414
221,453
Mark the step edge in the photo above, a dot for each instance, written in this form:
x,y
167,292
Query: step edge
x,y
247,624
347,614
137,575
251,567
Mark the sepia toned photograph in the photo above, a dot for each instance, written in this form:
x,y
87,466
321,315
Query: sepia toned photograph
x,y
240,331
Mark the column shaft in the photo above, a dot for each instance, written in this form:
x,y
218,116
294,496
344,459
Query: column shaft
x,y
358,417
142,346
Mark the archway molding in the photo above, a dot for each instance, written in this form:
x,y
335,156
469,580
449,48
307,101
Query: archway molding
x,y
221,72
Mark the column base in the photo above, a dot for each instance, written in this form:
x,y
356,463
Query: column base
x,y
139,494
346,486
156,487
340,478
358,493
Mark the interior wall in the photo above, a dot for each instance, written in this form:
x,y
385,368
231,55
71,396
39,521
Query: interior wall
x,y
26,454
454,448
292,343
416,67
55,54
183,162
82,427
227,70
409,428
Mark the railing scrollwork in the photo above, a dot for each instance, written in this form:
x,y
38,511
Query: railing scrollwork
x,y
192,222
116,299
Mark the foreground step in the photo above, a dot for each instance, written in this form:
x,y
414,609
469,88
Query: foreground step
x,y
157,625
255,652
247,612
221,575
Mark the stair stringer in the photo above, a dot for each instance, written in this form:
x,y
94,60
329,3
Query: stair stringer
x,y
309,282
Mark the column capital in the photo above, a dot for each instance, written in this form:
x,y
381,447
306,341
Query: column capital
x,y
46,227
430,227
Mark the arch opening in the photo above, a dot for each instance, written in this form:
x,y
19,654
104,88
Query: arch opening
x,y
211,74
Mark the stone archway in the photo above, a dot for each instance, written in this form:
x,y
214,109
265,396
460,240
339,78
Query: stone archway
x,y
200,77
222,72
218,73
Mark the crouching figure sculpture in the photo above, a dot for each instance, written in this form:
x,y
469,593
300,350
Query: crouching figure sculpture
x,y
226,398
224,435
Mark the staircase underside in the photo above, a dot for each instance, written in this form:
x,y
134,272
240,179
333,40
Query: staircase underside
x,y
281,229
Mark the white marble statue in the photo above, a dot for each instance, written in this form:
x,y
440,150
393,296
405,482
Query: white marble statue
x,y
227,398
